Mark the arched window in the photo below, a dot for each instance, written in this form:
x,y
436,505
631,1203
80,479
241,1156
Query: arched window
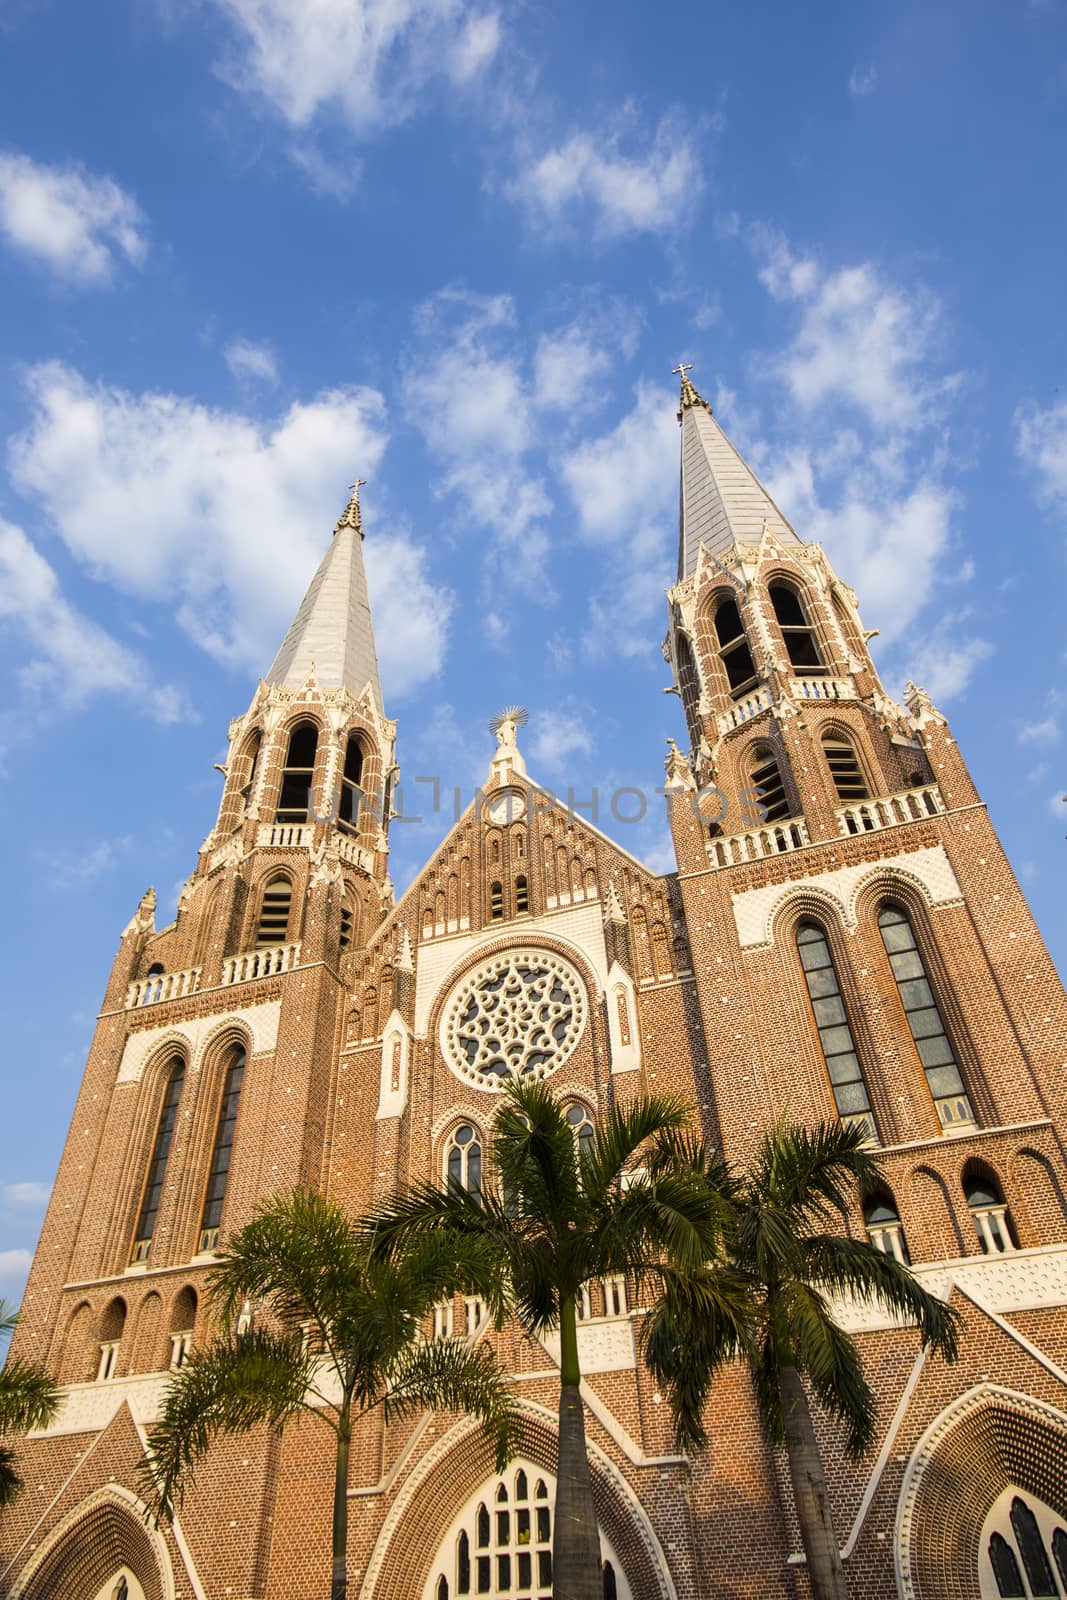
x,y
883,1225
581,1125
251,762
992,1223
924,1020
1032,1549
112,1325
294,802
845,769
157,1166
798,633
734,653
496,900
273,925
688,686
835,1033
463,1159
767,787
182,1318
348,918
351,785
522,894
1005,1568
222,1152
611,1588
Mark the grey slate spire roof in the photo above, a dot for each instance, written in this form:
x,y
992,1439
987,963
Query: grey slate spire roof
x,y
332,630
722,500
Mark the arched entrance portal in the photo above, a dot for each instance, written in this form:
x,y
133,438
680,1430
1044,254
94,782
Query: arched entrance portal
x,y
499,1545
100,1546
982,1499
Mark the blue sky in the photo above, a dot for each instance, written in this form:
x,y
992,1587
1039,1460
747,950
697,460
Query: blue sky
x,y
249,248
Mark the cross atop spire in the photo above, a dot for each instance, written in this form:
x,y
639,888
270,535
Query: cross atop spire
x,y
690,397
350,516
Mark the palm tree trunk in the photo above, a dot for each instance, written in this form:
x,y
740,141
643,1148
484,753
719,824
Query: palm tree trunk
x,y
575,1542
339,1583
825,1571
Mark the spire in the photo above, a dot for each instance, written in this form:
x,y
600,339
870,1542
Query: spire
x,y
332,631
722,501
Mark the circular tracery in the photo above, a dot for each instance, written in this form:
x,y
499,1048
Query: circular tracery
x,y
517,1015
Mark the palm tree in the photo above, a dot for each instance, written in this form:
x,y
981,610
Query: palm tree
x,y
557,1217
343,1339
28,1399
787,1262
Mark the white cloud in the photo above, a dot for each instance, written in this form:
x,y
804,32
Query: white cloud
x,y
650,192
248,360
861,341
558,735
27,1196
222,516
478,417
565,363
71,870
862,81
74,221
73,659
14,1270
1057,804
369,62
1046,732
945,665
1041,443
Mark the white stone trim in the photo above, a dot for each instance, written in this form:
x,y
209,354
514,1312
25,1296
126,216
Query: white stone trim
x,y
89,1407
440,1450
929,868
974,1400
396,1068
576,928
1018,1280
620,993
194,1037
605,1344
108,1494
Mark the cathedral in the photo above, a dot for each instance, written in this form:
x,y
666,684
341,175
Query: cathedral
x,y
842,937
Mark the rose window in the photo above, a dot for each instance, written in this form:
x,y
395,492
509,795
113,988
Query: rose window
x,y
518,1015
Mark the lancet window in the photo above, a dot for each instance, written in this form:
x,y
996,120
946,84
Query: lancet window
x,y
273,925
1023,1549
294,802
992,1221
768,792
463,1159
222,1153
924,1020
835,1032
351,786
157,1166
883,1225
734,652
845,769
800,643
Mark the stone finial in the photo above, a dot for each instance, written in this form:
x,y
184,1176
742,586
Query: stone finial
x,y
144,918
613,911
920,705
677,768
690,397
405,959
350,516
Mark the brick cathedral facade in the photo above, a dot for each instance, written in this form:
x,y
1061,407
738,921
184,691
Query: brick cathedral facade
x,y
843,936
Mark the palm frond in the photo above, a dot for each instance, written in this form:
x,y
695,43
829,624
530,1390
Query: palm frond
x,y
534,1156
451,1375
620,1134
29,1398
856,1268
700,1320
812,1171
10,1479
676,1214
9,1317
829,1357
236,1384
